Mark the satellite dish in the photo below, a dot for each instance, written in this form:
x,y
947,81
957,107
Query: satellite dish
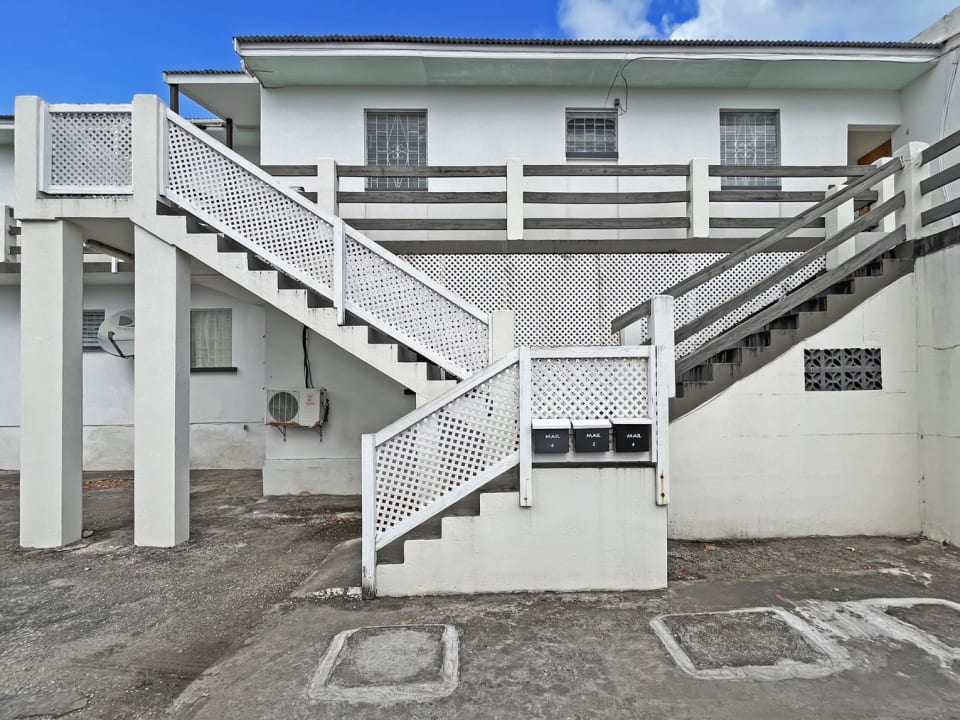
x,y
116,334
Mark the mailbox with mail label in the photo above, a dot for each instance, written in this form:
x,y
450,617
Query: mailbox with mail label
x,y
591,436
551,436
632,435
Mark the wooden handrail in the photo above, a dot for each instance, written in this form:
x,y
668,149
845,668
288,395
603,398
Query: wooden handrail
x,y
756,322
789,170
606,170
940,147
817,251
420,197
421,171
767,240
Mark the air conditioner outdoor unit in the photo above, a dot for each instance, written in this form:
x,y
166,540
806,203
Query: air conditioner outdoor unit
x,y
296,407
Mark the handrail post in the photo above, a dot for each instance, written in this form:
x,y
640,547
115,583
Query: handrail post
x,y
327,185
368,525
339,271
502,326
661,334
834,221
525,424
514,199
698,206
148,143
31,153
908,180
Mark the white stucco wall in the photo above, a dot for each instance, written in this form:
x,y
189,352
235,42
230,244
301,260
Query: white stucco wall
x,y
938,358
588,529
361,401
767,459
6,174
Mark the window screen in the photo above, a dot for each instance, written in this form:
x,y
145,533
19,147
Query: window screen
x,y
592,133
92,320
399,139
749,138
211,338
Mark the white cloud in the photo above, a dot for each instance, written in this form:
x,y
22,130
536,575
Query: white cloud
x,y
757,19
597,19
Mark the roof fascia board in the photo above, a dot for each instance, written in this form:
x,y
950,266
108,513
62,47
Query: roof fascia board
x,y
191,78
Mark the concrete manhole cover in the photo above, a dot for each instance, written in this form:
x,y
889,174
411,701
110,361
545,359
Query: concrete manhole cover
x,y
385,665
748,644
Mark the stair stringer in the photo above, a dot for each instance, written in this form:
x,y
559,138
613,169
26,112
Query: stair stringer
x,y
383,358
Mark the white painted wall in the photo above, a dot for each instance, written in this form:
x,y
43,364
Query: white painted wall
x,y
361,401
767,459
6,174
938,360
588,529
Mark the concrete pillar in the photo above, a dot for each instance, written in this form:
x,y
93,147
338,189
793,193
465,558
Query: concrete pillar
x,y
834,221
698,208
514,199
161,491
51,384
502,333
148,132
909,180
327,185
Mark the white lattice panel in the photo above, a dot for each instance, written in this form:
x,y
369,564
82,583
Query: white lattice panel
x,y
589,388
571,299
91,150
406,306
447,448
250,207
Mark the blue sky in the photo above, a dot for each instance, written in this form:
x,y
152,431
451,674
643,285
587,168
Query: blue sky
x,y
107,50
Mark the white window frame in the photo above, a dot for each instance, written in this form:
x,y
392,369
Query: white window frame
x,y
747,182
404,184
606,113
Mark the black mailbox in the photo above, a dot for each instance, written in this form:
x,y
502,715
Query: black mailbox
x,y
551,436
632,435
591,436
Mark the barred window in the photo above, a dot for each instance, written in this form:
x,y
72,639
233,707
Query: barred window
x,y
211,338
591,133
92,320
396,138
749,137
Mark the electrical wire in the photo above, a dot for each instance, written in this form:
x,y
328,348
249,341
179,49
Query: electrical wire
x,y
307,371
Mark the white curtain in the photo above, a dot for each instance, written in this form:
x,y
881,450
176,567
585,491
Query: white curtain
x,y
211,338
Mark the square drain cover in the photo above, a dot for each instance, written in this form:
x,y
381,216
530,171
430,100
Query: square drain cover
x,y
748,644
384,665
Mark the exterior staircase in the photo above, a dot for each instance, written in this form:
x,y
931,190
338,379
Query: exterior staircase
x,y
706,379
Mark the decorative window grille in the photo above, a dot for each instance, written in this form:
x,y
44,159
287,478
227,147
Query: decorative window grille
x,y
591,133
211,338
749,138
92,320
842,369
396,139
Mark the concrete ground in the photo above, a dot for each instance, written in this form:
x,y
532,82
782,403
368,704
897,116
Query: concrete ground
x,y
232,625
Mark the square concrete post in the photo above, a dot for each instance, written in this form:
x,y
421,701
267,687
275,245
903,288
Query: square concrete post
x,y
51,384
327,185
834,221
161,490
698,207
908,180
514,199
502,329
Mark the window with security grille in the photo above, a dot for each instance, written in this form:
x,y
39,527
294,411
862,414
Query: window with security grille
x,y
211,338
591,133
92,320
396,138
842,369
749,137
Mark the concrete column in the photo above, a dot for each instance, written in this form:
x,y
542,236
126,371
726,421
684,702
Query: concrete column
x,y
514,199
698,208
51,384
502,327
161,393
327,185
148,133
836,220
909,180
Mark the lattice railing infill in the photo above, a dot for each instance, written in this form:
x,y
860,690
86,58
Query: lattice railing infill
x,y
213,186
451,446
388,293
588,388
90,152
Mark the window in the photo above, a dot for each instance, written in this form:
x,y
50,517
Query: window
x,y
749,137
397,138
211,339
591,133
92,320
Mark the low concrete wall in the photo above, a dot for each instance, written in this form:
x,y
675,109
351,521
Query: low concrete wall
x,y
588,529
767,459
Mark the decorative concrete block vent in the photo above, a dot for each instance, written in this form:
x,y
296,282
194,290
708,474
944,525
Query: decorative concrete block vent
x,y
387,665
841,369
750,644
